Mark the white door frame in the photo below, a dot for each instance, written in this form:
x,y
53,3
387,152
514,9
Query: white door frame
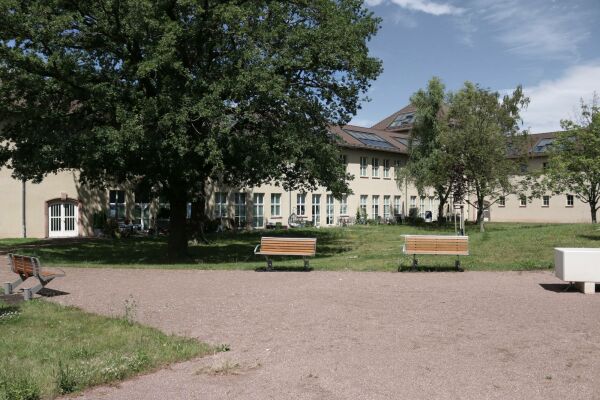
x,y
63,219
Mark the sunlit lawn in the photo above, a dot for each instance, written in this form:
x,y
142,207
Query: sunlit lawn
x,y
503,246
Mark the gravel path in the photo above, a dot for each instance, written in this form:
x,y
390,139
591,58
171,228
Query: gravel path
x,y
352,335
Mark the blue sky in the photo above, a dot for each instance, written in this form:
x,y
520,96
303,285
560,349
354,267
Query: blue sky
x,y
551,47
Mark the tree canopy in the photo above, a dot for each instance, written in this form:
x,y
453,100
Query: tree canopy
x,y
574,159
481,126
171,93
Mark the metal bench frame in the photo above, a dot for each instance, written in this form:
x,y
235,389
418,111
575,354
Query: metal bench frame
x,y
269,255
43,276
442,238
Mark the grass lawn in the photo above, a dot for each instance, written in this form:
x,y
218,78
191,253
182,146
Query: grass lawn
x,y
504,246
47,350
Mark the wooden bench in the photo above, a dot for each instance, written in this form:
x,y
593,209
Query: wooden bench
x,y
436,245
277,246
29,267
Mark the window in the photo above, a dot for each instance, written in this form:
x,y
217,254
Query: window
x,y
329,209
301,204
343,159
545,166
397,205
344,205
221,205
398,164
413,201
116,203
386,168
141,209
422,207
316,209
522,201
363,166
375,206
363,205
375,167
258,219
386,207
501,201
275,204
570,200
546,201
240,209
431,207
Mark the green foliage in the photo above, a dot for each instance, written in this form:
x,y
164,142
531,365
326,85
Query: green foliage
x,y
574,159
169,94
480,129
18,387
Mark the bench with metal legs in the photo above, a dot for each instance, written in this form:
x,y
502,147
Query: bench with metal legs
x,y
29,267
276,246
435,245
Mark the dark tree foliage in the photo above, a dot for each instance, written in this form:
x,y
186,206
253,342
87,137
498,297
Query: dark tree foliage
x,y
172,93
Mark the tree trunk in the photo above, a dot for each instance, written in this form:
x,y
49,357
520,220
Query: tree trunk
x,y
594,213
440,218
480,209
178,241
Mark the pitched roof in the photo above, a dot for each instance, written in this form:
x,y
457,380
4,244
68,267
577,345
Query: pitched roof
x,y
352,136
386,123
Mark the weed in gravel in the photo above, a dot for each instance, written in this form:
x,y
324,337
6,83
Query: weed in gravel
x,y
227,368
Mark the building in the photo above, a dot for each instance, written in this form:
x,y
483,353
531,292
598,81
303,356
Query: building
x,y
61,207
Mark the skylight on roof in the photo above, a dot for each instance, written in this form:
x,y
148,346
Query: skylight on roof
x,y
542,145
401,120
403,141
370,139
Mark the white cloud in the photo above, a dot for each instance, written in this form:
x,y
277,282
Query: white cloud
x,y
426,6
365,123
553,100
536,28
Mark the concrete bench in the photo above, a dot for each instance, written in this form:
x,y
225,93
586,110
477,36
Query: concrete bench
x,y
277,246
29,267
436,245
580,266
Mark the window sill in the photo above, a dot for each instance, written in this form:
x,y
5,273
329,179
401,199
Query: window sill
x,y
568,206
548,206
375,177
522,206
275,216
364,177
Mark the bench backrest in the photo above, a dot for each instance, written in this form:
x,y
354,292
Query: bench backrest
x,y
24,265
436,244
291,246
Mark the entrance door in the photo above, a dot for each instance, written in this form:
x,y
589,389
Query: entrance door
x,y
62,220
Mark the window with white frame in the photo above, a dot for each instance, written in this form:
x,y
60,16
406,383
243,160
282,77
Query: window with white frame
x,y
397,205
386,168
522,201
375,167
330,209
239,205
431,204
546,201
221,205
344,205
316,209
570,200
301,204
116,204
363,166
413,201
275,204
363,205
422,207
141,209
375,206
501,201
258,217
386,207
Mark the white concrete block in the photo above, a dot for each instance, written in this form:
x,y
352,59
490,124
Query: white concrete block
x,y
581,265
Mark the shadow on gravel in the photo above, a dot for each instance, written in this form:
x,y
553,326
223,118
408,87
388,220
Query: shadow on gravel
x,y
428,269
562,287
283,269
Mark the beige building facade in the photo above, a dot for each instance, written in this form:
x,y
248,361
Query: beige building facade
x,y
61,207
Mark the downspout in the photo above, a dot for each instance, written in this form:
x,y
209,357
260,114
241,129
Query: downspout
x,y
23,206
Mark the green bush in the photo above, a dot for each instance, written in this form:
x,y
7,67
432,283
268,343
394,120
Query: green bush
x,y
18,386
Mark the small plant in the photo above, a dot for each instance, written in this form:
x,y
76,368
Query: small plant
x,y
66,381
18,387
222,348
227,368
130,310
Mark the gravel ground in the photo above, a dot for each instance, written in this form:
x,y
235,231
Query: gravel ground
x,y
352,335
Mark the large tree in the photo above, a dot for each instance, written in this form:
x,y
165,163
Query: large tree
x,y
481,127
172,93
429,165
574,159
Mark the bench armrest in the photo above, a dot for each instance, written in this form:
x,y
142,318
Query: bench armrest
x,y
256,248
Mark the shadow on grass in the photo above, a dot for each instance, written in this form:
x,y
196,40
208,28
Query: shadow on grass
x,y
589,237
227,247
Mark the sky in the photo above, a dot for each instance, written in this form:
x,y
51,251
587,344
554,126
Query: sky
x,y
550,47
